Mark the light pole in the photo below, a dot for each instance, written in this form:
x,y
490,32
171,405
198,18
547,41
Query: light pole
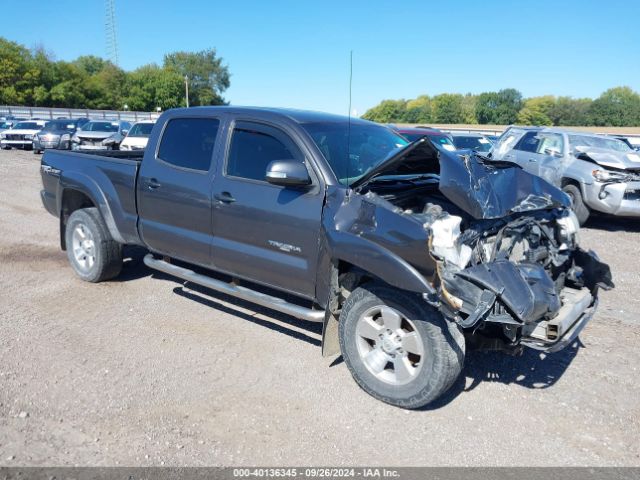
x,y
186,89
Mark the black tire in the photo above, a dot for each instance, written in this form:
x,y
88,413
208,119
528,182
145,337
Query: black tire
x,y
442,340
36,152
577,203
107,253
6,148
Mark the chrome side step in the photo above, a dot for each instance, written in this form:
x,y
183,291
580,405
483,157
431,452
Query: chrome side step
x,y
244,293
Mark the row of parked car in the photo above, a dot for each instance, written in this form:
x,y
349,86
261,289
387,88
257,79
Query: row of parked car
x,y
599,173
73,134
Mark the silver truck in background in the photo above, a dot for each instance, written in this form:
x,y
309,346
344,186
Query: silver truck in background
x,y
599,173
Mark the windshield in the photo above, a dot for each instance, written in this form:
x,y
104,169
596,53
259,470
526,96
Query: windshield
x,y
599,142
141,130
27,126
100,127
370,144
472,142
59,126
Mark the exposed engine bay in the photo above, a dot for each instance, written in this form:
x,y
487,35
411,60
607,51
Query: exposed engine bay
x,y
514,276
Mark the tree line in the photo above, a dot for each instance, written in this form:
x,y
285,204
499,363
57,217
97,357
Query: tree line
x,y
32,77
617,107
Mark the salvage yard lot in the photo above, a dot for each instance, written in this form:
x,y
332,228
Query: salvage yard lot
x,y
146,371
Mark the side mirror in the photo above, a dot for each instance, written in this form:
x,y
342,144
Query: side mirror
x,y
287,173
125,132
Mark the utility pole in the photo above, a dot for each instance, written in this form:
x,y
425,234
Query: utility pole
x,y
110,31
186,89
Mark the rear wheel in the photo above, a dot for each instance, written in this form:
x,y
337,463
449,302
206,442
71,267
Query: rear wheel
x,y
398,348
93,254
577,203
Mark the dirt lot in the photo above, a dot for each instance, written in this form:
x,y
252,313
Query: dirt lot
x,y
142,371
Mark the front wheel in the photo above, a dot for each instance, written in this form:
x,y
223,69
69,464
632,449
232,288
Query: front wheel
x,y
577,203
398,348
91,250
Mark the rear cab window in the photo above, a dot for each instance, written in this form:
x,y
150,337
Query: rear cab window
x,y
254,146
189,143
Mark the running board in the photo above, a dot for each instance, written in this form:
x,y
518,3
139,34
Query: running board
x,y
237,291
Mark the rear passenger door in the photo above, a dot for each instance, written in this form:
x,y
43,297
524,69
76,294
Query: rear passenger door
x,y
551,151
263,232
174,189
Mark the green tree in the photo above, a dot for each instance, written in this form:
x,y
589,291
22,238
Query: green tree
x,y
418,110
499,108
387,111
151,86
208,77
567,111
536,111
617,107
469,103
448,108
18,74
90,64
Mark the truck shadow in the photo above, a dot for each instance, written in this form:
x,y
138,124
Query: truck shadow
x,y
613,224
281,323
533,369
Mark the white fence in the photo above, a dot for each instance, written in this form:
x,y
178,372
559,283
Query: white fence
x,y
47,113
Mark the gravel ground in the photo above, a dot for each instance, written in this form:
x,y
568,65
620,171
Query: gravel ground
x,y
143,371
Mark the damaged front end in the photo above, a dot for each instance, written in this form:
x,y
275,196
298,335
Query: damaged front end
x,y
508,268
519,282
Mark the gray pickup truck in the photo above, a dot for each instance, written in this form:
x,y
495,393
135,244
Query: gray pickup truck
x,y
407,253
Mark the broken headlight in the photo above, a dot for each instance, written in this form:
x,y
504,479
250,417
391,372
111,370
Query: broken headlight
x,y
606,176
568,230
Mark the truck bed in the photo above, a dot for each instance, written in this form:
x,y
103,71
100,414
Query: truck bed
x,y
108,178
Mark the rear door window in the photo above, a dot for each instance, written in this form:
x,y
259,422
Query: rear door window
x,y
189,142
550,144
254,146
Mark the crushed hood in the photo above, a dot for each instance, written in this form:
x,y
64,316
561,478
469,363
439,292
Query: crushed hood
x,y
494,189
610,158
483,189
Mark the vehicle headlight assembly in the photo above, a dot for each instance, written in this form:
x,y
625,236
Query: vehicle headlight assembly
x,y
109,141
2,135
29,137
569,230
75,139
606,176
65,137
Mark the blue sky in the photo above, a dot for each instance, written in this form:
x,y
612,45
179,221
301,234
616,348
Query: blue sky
x,y
296,53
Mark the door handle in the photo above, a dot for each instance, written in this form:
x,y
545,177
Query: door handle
x,y
152,184
533,160
224,197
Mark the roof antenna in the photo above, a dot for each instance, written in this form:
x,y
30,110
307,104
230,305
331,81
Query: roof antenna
x,y
349,117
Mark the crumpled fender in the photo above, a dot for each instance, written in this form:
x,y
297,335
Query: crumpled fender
x,y
378,261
